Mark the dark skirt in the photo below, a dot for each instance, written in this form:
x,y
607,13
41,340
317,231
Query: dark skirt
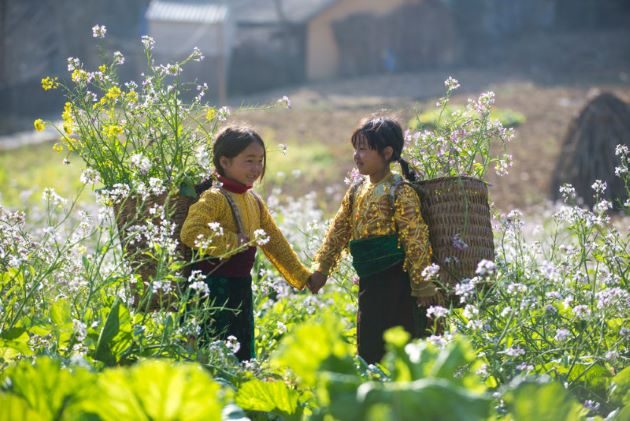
x,y
236,314
385,301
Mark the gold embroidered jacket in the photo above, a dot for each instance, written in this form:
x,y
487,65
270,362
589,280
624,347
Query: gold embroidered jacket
x,y
213,207
368,214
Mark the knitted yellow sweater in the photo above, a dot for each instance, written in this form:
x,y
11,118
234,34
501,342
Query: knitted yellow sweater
x,y
222,239
370,214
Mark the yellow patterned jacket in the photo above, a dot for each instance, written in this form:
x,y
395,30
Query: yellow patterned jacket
x,y
213,207
370,214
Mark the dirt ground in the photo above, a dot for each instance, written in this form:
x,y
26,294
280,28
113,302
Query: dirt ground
x,y
548,85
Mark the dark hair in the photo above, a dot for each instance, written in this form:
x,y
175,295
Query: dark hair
x,y
233,140
381,132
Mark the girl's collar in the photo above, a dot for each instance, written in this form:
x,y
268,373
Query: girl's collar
x,y
231,185
387,176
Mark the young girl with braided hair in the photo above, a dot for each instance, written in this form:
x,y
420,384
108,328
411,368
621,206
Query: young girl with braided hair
x,y
380,220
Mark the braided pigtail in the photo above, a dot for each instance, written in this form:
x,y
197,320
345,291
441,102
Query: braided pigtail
x,y
408,173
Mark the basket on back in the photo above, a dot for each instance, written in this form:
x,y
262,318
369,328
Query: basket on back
x,y
134,212
457,214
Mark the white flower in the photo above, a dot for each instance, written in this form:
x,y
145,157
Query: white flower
x,y
89,176
451,84
223,113
51,197
216,228
562,335
232,343
281,327
431,272
80,330
99,31
599,186
261,237
514,352
436,312
485,267
142,163
601,207
73,64
285,100
196,55
148,42
353,177
119,58
201,287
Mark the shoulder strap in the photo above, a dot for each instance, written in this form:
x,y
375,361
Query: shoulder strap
x,y
353,192
394,190
235,211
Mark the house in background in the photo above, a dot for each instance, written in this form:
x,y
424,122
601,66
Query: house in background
x,y
282,42
180,25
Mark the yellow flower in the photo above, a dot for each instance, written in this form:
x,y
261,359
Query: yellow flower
x,y
211,114
132,96
67,127
113,92
66,116
79,75
39,124
112,130
58,147
49,83
102,68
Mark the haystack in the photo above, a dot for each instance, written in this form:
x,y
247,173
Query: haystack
x,y
588,150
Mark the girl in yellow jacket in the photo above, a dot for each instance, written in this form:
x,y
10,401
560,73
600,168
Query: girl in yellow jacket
x,y
227,223
380,221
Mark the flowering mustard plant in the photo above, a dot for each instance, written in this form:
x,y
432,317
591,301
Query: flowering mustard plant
x,y
460,144
131,133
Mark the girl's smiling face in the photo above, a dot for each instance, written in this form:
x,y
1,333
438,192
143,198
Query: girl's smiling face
x,y
369,161
247,166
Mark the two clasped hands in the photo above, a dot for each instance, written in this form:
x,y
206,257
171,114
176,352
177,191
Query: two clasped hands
x,y
316,282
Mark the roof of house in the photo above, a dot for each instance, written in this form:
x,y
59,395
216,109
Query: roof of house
x,y
266,12
186,11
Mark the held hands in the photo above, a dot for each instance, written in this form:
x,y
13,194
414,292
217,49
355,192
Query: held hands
x,y
316,282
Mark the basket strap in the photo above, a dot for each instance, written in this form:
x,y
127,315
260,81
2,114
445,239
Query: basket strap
x,y
235,211
353,192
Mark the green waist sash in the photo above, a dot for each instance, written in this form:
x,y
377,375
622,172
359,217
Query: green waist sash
x,y
375,254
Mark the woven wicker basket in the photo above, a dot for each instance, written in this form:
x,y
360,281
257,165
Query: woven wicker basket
x,y
134,211
456,208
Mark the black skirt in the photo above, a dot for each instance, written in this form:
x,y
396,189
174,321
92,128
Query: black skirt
x,y
385,301
236,316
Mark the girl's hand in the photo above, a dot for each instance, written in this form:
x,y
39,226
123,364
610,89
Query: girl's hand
x,y
316,282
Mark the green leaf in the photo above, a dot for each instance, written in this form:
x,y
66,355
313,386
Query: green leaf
x,y
535,400
48,389
430,399
156,390
187,188
116,335
14,408
620,388
60,312
14,343
310,344
256,395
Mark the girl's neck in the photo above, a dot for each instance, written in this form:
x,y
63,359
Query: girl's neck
x,y
232,185
380,176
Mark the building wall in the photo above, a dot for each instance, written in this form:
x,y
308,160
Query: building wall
x,y
322,54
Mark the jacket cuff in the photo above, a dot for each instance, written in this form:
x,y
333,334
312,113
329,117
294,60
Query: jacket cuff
x,y
424,289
